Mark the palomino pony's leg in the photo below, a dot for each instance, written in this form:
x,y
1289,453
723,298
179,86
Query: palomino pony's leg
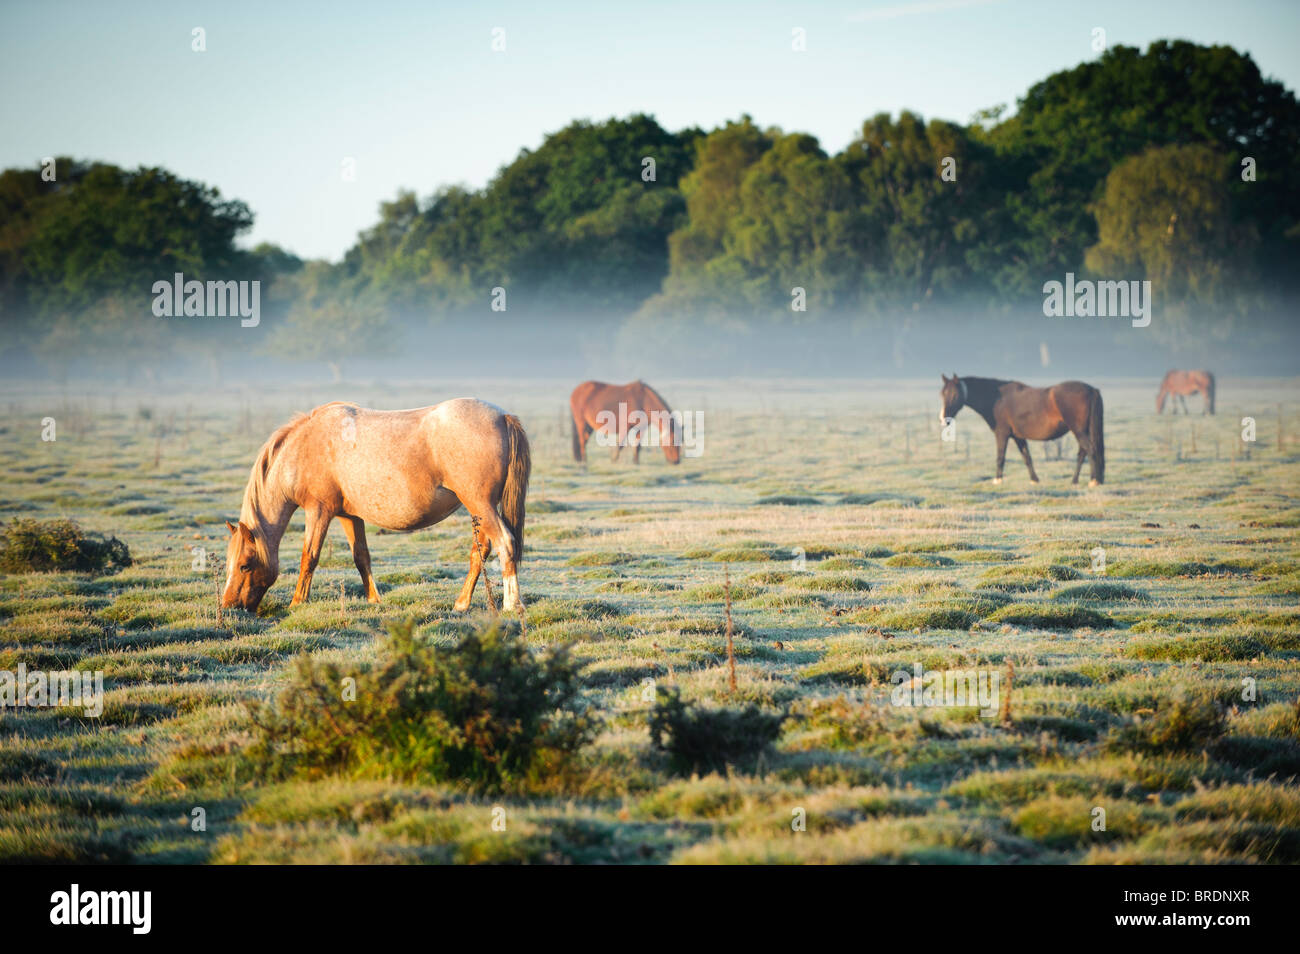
x,y
354,528
318,523
479,551
1024,452
494,530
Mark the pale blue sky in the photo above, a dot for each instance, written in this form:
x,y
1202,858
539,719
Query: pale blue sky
x,y
414,93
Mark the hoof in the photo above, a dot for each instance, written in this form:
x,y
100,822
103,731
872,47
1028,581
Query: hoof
x,y
1033,480
460,607
997,480
1093,483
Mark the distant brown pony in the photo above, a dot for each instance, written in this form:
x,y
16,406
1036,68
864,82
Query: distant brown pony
x,y
1182,383
622,414
401,470
1017,412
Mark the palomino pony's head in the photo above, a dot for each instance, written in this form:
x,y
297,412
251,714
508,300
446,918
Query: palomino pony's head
x,y
952,397
248,576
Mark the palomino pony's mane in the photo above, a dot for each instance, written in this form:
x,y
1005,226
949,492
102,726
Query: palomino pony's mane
x,y
256,492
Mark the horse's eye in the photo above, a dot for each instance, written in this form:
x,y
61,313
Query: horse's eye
x,y
246,568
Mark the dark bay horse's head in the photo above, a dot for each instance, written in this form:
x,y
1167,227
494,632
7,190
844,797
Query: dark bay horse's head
x,y
668,424
672,441
248,576
952,397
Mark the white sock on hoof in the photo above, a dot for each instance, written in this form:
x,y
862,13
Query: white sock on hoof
x,y
510,600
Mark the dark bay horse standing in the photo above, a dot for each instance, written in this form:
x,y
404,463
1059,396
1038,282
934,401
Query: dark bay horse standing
x,y
401,470
1017,412
622,414
1182,383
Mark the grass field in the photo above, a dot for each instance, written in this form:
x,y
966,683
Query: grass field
x,y
857,544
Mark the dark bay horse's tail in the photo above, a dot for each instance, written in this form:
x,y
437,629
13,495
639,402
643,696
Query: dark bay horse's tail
x,y
1096,436
577,438
516,487
1209,391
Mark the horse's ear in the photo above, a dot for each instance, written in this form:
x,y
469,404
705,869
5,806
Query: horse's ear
x,y
231,527
944,376
248,534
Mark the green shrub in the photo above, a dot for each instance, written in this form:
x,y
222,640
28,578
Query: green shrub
x,y
29,546
486,712
703,740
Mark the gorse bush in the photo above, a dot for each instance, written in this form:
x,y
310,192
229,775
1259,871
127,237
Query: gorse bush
x,y
487,712
29,546
702,740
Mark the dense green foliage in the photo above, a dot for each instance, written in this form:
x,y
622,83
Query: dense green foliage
x,y
486,712
1130,166
708,739
32,546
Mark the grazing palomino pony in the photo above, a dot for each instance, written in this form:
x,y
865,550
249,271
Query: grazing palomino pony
x,y
622,414
1017,412
401,470
1182,383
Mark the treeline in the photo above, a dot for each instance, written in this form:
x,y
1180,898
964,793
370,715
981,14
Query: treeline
x,y
1177,165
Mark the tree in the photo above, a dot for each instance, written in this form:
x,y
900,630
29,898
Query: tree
x,y
1169,216
328,323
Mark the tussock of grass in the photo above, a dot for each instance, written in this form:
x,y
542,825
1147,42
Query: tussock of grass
x,y
715,592
1050,616
867,500
921,560
1201,648
926,617
545,612
834,584
601,558
1183,725
1102,592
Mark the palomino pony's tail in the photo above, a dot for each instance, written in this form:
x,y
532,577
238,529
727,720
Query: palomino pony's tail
x,y
516,486
1096,437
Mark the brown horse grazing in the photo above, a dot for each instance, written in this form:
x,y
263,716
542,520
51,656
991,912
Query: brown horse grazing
x,y
622,415
1182,383
401,470
1020,413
